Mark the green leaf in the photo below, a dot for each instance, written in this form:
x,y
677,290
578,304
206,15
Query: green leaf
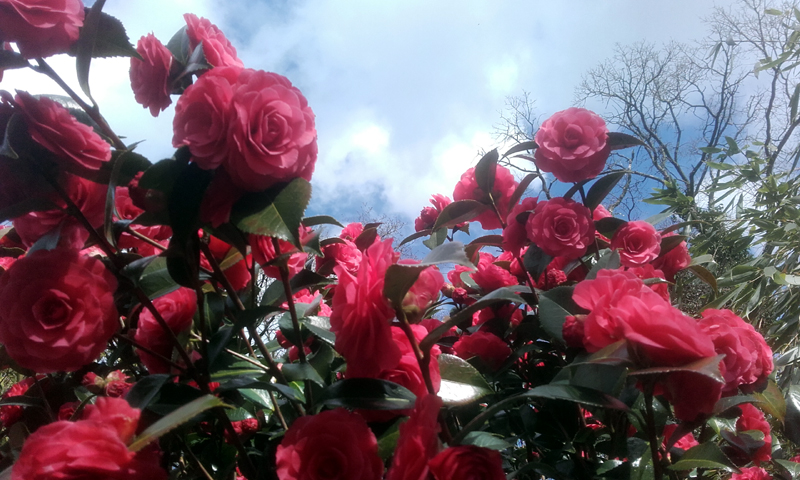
x,y
551,318
85,46
706,455
793,103
703,274
414,236
174,420
369,393
618,141
321,220
536,261
437,238
145,390
276,212
151,275
573,393
367,236
387,443
609,225
23,401
248,383
486,440
771,401
459,212
708,367
659,217
668,243
792,420
301,371
10,60
601,188
480,242
485,171
610,260
521,147
725,403
520,190
461,382
793,468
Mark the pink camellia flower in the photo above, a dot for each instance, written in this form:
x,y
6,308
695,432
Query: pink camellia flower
x,y
418,441
561,228
58,310
647,272
454,276
489,276
515,235
488,347
202,117
177,309
638,243
345,254
684,443
272,131
332,445
428,215
423,293
150,76
304,296
572,145
93,447
88,196
748,358
351,231
41,28
504,185
572,331
466,462
76,146
600,212
674,260
10,414
361,314
217,49
753,419
751,473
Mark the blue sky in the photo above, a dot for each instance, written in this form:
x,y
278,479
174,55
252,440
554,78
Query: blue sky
x,y
405,93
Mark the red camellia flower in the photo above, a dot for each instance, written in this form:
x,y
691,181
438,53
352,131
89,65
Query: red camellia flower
x,y
572,145
674,260
272,132
504,185
76,145
361,315
150,76
428,215
217,49
346,254
10,414
488,347
753,419
177,309
638,243
752,473
467,462
88,196
561,228
489,276
58,310
264,252
41,28
418,441
684,443
332,445
202,116
748,358
94,447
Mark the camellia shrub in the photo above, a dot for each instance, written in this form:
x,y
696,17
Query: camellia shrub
x,y
184,319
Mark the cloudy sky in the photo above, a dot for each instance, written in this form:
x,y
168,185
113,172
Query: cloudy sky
x,y
406,93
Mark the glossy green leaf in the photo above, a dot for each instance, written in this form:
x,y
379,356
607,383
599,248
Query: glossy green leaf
x,y
668,243
703,274
414,236
369,393
301,371
84,47
459,212
485,440
617,141
572,393
793,468
400,278
792,420
536,261
321,220
151,275
771,401
485,171
145,390
174,420
708,367
610,260
274,213
726,403
520,190
480,242
461,382
706,455
551,318
609,225
437,238
601,188
521,147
